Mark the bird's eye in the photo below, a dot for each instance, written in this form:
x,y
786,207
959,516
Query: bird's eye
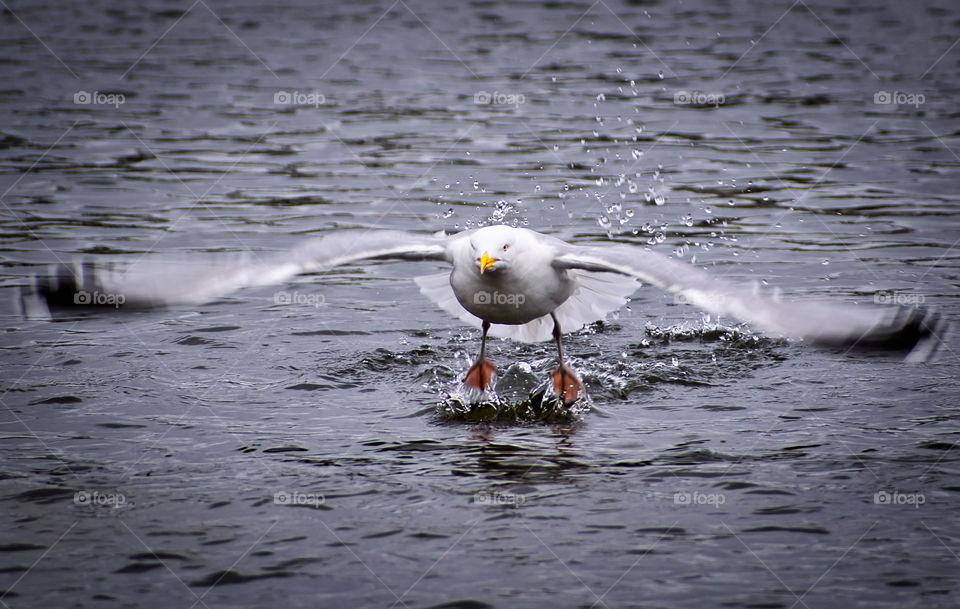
x,y
506,247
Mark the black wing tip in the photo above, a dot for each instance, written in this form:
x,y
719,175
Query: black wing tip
x,y
918,332
907,328
73,286
61,285
932,333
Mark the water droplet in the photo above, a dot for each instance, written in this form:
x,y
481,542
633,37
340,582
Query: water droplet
x,y
653,196
448,213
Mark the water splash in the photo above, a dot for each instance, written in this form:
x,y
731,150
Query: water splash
x,y
539,406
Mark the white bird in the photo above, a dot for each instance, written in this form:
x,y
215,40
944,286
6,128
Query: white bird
x,y
512,282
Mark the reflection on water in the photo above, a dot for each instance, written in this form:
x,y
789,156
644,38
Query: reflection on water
x,y
250,449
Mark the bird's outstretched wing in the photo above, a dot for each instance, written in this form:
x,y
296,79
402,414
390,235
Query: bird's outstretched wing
x,y
158,281
836,324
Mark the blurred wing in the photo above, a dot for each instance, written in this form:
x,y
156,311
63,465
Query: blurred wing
x,y
819,322
155,282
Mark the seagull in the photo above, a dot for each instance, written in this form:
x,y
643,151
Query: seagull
x,y
513,282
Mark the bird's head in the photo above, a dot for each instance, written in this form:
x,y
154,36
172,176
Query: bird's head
x,y
493,248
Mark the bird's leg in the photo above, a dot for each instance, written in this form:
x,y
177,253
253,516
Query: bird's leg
x,y
480,373
565,381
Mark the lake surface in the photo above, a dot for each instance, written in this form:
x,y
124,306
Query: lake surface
x,y
256,452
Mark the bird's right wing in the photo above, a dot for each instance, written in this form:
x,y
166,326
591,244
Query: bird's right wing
x,y
829,323
156,281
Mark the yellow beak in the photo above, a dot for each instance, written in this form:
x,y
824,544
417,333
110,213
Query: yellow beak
x,y
486,261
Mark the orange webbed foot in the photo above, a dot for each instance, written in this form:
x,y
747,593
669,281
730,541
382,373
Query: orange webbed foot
x,y
480,374
567,384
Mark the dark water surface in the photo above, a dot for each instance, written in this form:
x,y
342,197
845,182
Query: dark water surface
x,y
254,452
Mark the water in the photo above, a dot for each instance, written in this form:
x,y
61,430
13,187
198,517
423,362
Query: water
x,y
250,453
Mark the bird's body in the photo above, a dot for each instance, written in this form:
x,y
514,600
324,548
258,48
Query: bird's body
x,y
525,289
512,282
522,286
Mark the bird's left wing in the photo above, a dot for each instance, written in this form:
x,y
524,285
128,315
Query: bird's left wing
x,y
828,323
159,281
